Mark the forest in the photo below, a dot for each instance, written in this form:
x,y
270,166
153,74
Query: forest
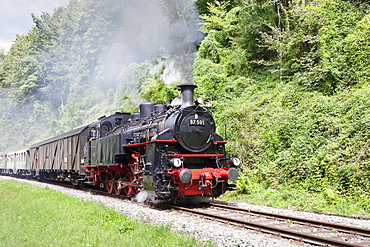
x,y
289,81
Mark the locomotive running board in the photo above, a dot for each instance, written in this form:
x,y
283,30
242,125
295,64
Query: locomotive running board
x,y
195,155
142,144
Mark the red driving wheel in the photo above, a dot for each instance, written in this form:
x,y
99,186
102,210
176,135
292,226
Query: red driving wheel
x,y
129,190
110,182
117,177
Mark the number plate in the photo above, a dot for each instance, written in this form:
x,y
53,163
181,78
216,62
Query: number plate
x,y
196,122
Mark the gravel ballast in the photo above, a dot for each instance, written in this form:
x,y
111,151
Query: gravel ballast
x,y
204,230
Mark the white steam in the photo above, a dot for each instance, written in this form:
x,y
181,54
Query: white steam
x,y
141,197
159,29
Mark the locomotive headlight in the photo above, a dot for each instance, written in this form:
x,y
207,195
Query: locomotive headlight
x,y
235,161
186,176
176,162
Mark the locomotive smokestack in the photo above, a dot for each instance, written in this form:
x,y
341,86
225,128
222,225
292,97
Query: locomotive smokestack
x,y
187,94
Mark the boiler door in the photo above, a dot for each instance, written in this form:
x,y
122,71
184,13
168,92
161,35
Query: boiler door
x,y
195,131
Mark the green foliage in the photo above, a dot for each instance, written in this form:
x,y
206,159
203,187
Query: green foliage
x,y
340,41
21,69
154,90
203,5
307,140
321,45
349,56
328,201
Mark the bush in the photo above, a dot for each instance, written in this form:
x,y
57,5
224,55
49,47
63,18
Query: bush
x,y
308,140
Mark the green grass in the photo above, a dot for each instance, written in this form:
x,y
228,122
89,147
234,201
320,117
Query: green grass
x,y
32,216
327,201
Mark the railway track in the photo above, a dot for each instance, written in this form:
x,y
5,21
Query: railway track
x,y
299,229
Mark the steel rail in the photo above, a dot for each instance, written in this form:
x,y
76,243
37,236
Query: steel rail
x,y
344,228
308,238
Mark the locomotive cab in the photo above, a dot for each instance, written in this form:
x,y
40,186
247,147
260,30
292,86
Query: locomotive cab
x,y
102,146
106,125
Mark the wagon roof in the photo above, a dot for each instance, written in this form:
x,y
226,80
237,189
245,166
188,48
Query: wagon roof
x,y
61,136
15,150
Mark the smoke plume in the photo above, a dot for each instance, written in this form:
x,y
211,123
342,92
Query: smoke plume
x,y
160,29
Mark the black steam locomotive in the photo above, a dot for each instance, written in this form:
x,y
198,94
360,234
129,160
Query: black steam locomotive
x,y
172,150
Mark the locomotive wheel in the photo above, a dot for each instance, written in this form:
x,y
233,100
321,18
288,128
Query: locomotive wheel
x,y
129,190
110,183
117,177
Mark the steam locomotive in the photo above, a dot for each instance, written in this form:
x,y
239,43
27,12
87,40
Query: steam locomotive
x,y
172,150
